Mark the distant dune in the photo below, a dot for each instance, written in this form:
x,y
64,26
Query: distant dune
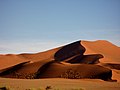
x,y
82,59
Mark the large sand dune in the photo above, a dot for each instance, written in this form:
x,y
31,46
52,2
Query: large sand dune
x,y
82,59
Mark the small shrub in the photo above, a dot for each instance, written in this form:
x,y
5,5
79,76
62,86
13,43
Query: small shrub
x,y
71,74
4,88
78,89
34,89
48,87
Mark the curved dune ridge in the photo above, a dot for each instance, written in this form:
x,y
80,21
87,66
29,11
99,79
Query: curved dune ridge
x,y
82,59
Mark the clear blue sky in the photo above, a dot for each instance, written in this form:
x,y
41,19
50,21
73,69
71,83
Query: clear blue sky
x,y
36,25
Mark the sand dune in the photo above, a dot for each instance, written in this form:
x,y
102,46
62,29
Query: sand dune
x,y
27,71
110,52
75,71
40,56
76,55
9,60
11,69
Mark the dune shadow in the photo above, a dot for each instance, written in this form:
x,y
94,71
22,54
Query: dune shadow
x,y
69,50
112,65
86,59
12,68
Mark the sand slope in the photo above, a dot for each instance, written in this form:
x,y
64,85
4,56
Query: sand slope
x,y
110,52
10,60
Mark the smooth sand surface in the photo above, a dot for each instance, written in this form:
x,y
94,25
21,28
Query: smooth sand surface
x,y
59,84
110,52
9,60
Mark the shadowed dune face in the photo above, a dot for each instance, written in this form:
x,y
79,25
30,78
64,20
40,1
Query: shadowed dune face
x,y
69,51
112,65
75,71
24,71
12,69
86,59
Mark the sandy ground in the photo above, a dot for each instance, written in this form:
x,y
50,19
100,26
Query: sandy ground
x,y
59,84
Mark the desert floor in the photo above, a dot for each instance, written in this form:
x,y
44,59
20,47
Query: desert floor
x,y
59,84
